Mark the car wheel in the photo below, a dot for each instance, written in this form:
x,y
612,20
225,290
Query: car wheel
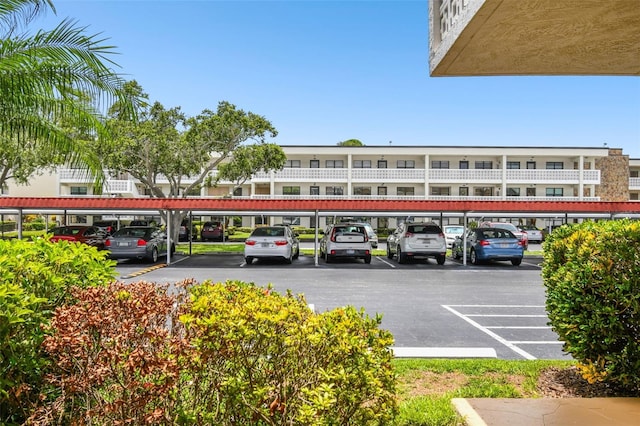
x,y
473,257
367,259
327,258
154,255
440,259
402,258
297,255
249,260
389,254
516,262
289,259
455,253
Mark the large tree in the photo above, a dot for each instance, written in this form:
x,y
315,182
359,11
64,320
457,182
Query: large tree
x,y
163,145
46,79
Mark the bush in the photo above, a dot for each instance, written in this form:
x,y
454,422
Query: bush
x,y
237,354
36,278
592,276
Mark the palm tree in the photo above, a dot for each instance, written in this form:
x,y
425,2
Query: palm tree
x,y
53,81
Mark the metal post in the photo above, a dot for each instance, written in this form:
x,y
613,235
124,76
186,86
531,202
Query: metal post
x,y
465,220
315,240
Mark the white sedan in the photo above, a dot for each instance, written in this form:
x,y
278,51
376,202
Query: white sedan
x,y
271,242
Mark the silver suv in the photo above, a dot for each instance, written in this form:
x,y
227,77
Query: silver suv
x,y
417,239
345,240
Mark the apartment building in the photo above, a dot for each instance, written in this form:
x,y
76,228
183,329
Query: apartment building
x,y
403,172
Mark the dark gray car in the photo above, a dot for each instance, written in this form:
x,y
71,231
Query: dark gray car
x,y
138,242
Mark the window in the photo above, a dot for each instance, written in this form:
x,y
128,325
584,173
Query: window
x,y
292,164
406,164
634,173
513,192
440,164
382,190
513,164
335,190
440,190
483,191
361,190
361,164
463,191
554,192
382,164
237,192
406,190
78,190
554,165
484,165
531,192
314,190
314,164
463,165
290,190
531,165
260,220
334,164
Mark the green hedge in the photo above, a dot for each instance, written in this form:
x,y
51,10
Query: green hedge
x,y
591,272
225,353
36,278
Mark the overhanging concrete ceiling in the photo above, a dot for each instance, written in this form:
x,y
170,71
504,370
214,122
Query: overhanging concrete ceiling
x,y
539,37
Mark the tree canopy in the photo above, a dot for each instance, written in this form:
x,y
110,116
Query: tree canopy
x,y
164,146
350,142
52,83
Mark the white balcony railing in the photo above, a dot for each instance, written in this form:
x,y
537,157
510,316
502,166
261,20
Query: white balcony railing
x,y
634,183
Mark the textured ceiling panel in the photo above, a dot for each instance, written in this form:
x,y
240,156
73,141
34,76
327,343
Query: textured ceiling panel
x,y
547,37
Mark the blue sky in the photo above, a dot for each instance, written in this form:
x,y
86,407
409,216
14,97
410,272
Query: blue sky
x,y
326,71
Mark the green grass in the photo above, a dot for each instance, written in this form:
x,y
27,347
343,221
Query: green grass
x,y
426,386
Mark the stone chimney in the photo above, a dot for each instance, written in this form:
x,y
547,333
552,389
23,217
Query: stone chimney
x,y
614,176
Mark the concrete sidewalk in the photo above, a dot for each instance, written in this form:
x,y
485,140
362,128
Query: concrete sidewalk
x,y
549,411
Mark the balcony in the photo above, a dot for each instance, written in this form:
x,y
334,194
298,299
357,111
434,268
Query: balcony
x,y
413,197
634,183
484,176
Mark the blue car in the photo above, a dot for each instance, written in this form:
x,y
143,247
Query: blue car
x,y
485,244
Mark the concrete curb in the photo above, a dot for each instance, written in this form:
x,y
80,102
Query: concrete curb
x,y
468,413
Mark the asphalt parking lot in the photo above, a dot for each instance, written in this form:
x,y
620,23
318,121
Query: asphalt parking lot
x,y
446,309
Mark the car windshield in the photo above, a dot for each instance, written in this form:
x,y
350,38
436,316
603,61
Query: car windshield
x,y
132,233
423,229
511,227
268,232
495,233
453,229
66,231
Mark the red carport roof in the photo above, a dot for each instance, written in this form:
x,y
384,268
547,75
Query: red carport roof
x,y
313,204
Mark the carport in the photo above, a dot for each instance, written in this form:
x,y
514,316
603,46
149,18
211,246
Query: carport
x,y
318,206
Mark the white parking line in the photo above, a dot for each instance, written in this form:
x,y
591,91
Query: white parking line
x,y
505,316
381,259
524,327
485,330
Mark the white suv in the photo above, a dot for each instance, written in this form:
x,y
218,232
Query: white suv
x,y
345,240
417,239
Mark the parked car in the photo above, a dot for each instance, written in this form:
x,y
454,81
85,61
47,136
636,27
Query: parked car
x,y
522,236
211,231
90,235
534,234
346,240
108,226
417,240
184,233
140,223
484,244
272,242
371,233
451,232
139,242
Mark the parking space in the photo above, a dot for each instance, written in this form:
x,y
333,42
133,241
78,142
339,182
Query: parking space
x,y
523,329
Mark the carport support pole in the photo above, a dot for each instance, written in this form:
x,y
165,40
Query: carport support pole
x,y
169,242
315,241
465,220
20,224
